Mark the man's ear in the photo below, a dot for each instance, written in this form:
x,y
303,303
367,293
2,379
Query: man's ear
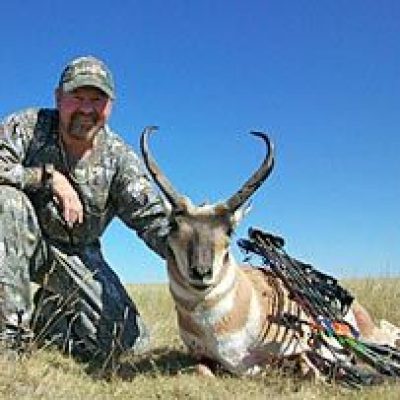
x,y
57,96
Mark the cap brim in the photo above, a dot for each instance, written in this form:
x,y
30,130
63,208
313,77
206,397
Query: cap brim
x,y
88,81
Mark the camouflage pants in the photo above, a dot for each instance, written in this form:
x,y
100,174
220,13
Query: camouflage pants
x,y
81,306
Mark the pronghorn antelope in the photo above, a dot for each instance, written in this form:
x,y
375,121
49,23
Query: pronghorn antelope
x,y
227,312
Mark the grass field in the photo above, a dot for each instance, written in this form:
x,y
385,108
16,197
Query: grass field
x,y
167,371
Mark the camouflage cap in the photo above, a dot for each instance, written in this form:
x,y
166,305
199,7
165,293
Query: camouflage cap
x,y
87,71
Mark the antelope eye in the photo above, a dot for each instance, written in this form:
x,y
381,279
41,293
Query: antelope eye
x,y
226,258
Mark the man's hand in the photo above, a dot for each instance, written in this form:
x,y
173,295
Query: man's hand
x,y
68,199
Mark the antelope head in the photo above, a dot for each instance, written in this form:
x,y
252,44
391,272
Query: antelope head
x,y
199,236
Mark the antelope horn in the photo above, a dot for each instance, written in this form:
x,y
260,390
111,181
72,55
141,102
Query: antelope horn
x,y
159,178
257,179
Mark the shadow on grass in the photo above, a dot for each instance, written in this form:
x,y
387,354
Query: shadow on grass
x,y
160,361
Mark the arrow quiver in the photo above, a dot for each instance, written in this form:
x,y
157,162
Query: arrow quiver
x,y
326,303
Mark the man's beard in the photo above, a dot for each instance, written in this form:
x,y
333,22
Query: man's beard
x,y
83,126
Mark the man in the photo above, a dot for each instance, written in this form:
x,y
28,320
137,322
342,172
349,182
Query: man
x,y
64,175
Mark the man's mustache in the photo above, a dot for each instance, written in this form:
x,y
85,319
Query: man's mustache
x,y
79,117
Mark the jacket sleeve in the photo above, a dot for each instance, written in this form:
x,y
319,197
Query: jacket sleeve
x,y
138,204
16,133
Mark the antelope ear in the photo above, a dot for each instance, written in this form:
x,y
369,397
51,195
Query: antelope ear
x,y
183,204
240,213
166,205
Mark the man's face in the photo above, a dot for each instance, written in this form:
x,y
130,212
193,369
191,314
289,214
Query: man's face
x,y
83,112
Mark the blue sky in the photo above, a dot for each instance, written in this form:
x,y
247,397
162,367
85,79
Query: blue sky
x,y
322,77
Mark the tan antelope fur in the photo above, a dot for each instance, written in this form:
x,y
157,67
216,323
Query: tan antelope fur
x,y
225,311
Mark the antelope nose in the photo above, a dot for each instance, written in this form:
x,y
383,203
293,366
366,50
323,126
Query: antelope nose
x,y
203,269
201,272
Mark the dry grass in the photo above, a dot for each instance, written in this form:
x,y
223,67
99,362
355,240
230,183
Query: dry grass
x,y
167,372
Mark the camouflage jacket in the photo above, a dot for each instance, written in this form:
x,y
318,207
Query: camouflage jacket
x,y
110,182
